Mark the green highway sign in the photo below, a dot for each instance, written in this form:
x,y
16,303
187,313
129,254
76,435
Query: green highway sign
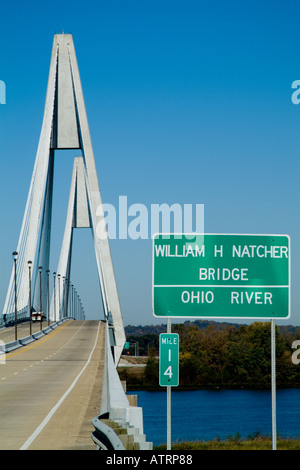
x,y
168,359
221,275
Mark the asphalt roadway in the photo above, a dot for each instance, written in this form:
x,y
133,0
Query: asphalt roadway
x,y
50,390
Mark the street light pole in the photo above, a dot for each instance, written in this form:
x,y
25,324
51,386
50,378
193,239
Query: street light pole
x,y
15,256
63,298
58,276
67,297
29,299
41,310
72,290
54,275
48,297
75,304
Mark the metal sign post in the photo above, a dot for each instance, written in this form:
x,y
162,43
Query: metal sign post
x,y
169,400
168,418
169,369
273,380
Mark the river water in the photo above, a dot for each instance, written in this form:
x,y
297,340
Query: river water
x,y
205,415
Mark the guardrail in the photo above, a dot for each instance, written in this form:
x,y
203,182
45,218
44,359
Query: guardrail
x,y
118,423
105,437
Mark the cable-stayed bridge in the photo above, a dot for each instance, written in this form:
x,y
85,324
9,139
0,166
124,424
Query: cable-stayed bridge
x,y
56,318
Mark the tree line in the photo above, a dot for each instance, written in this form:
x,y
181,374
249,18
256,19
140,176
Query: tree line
x,y
233,356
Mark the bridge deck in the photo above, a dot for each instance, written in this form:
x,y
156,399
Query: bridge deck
x,y
50,390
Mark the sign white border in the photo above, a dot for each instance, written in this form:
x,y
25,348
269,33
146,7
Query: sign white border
x,y
173,335
219,318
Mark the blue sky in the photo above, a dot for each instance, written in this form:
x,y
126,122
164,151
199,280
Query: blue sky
x,y
187,102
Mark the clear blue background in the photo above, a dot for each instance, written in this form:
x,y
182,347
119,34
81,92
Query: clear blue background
x,y
188,102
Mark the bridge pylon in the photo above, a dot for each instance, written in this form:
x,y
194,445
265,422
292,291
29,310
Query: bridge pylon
x,y
64,127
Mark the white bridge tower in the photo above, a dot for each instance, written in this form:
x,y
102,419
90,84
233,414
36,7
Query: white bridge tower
x,y
65,126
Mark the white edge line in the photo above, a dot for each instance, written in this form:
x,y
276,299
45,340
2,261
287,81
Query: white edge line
x,y
54,409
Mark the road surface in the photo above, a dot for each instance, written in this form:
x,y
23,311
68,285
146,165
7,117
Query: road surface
x,y
51,389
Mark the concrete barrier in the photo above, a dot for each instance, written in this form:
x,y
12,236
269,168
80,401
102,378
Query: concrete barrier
x,y
28,339
115,410
12,345
38,335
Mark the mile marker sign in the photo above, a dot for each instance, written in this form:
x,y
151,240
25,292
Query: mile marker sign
x,y
221,275
168,359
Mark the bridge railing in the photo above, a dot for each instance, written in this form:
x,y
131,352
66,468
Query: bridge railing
x,y
8,319
118,420
8,347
